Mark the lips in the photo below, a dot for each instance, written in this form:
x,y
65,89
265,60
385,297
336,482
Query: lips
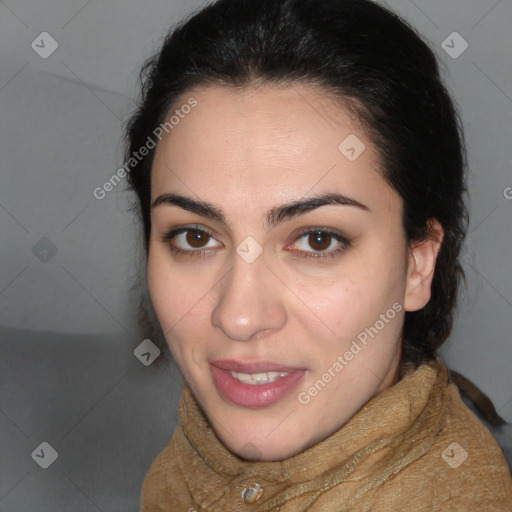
x,y
250,393
256,367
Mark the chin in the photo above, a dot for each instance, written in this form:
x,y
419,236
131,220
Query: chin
x,y
271,453
246,445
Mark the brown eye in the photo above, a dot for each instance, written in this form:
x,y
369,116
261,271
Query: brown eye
x,y
191,241
319,241
197,238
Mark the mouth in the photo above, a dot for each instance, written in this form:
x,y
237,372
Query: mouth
x,y
258,378
254,385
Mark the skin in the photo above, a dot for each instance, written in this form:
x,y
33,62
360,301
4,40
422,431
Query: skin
x,y
247,151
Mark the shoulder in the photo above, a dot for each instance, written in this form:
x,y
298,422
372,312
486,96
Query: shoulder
x,y
162,480
461,467
467,468
462,423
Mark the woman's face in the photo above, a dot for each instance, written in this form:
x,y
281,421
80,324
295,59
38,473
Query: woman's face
x,y
242,289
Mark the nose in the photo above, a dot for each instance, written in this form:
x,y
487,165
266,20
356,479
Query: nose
x,y
248,303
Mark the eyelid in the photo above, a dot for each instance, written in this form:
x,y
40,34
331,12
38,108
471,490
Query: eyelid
x,y
344,242
321,229
189,227
174,232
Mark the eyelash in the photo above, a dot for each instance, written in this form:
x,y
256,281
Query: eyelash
x,y
305,254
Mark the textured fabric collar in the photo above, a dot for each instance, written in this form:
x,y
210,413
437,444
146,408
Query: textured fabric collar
x,y
392,430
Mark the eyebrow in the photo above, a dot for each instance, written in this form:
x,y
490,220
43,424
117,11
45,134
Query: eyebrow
x,y
275,216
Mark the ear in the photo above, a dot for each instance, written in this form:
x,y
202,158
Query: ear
x,y
421,265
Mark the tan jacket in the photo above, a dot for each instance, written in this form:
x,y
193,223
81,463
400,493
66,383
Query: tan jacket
x,y
415,447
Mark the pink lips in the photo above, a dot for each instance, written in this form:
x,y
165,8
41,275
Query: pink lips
x,y
253,395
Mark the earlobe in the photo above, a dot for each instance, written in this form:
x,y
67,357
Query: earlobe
x,y
421,265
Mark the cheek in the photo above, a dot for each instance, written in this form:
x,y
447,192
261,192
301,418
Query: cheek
x,y
159,289
180,299
345,308
166,291
169,305
352,301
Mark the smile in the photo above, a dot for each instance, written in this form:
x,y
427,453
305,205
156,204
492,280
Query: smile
x,y
254,385
258,378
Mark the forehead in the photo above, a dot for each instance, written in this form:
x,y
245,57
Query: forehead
x,y
268,144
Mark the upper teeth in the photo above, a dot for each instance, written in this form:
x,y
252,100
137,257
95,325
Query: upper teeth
x,y
258,378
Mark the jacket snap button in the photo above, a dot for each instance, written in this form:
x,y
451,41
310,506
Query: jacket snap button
x,y
252,494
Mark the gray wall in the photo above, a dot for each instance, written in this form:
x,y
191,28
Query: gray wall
x,y
68,330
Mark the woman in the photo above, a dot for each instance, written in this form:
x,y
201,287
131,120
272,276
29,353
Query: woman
x,y
303,212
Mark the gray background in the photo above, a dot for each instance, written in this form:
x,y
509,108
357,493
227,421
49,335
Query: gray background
x,y
67,320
